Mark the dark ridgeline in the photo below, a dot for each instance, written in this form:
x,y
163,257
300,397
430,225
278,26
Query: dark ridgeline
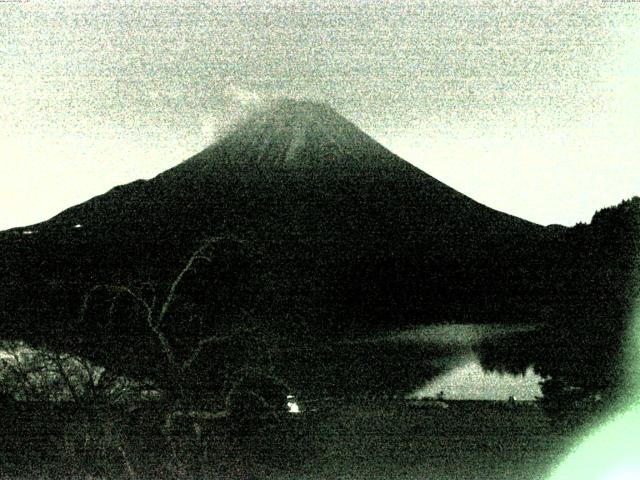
x,y
321,235
594,282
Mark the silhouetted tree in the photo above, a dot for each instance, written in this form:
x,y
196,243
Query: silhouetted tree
x,y
201,312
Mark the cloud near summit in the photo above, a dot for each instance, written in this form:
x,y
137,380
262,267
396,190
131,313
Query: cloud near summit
x,y
234,104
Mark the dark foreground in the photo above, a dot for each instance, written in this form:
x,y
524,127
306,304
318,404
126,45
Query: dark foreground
x,y
328,440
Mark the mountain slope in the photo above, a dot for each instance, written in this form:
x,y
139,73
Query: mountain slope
x,y
298,176
324,234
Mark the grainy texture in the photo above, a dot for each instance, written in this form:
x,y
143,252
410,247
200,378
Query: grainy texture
x,y
531,108
328,440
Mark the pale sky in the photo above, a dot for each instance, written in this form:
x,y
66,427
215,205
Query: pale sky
x,y
532,109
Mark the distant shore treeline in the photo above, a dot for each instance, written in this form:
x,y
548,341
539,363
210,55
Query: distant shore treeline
x,y
306,233
595,283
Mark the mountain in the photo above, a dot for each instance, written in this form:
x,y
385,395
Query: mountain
x,y
314,234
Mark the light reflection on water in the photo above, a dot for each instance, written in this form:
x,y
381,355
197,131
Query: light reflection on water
x,y
468,381
460,335
449,335
463,377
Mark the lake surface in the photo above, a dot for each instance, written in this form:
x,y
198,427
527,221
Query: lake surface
x,y
469,381
416,362
399,363
460,375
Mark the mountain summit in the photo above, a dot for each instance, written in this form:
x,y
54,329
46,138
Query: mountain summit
x,y
347,231
298,134
292,154
314,232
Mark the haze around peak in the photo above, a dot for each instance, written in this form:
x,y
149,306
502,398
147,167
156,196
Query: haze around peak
x,y
531,109
278,112
283,130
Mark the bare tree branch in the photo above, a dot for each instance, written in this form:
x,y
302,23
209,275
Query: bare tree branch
x,y
67,381
209,340
172,291
118,290
155,320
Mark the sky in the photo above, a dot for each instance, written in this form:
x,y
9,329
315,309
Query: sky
x,y
530,108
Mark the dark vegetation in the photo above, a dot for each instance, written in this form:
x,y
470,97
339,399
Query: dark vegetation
x,y
308,235
596,272
361,439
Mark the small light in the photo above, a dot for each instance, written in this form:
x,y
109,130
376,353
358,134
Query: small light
x,y
27,232
292,405
77,225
